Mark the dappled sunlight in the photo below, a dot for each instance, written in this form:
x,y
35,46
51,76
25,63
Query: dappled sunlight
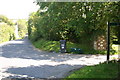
x,y
85,61
20,59
12,42
14,66
17,42
116,47
42,71
18,62
18,67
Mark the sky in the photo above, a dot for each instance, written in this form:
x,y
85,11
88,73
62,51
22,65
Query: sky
x,y
17,9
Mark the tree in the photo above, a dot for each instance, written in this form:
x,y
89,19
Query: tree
x,y
5,20
22,27
72,21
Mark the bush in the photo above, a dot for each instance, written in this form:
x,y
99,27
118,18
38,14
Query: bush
x,y
6,32
22,28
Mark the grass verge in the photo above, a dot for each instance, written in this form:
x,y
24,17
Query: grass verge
x,y
55,46
47,45
104,70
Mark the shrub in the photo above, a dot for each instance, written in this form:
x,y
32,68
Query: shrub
x,y
6,32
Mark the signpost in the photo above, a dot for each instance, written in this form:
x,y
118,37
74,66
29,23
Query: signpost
x,y
114,24
108,41
108,37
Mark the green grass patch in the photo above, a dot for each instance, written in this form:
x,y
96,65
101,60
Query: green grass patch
x,y
103,70
47,45
55,46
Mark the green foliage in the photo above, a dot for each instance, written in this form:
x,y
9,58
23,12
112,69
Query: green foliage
x,y
104,70
47,45
6,20
115,48
77,22
6,32
22,28
6,29
53,45
113,10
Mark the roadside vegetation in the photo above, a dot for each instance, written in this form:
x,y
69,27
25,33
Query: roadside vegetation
x,y
6,29
22,28
54,46
107,70
79,23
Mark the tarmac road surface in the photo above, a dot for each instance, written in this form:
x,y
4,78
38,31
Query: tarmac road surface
x,y
18,59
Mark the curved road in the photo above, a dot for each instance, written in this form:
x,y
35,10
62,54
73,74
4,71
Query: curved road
x,y
18,58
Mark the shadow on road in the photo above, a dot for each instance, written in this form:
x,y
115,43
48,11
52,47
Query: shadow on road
x,y
42,71
23,60
22,48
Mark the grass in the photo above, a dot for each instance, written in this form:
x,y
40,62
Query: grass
x,y
47,45
55,46
103,70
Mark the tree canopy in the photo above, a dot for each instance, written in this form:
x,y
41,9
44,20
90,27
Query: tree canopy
x,y
5,20
6,29
78,22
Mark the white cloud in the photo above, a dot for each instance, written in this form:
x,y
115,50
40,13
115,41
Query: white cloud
x,y
17,8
